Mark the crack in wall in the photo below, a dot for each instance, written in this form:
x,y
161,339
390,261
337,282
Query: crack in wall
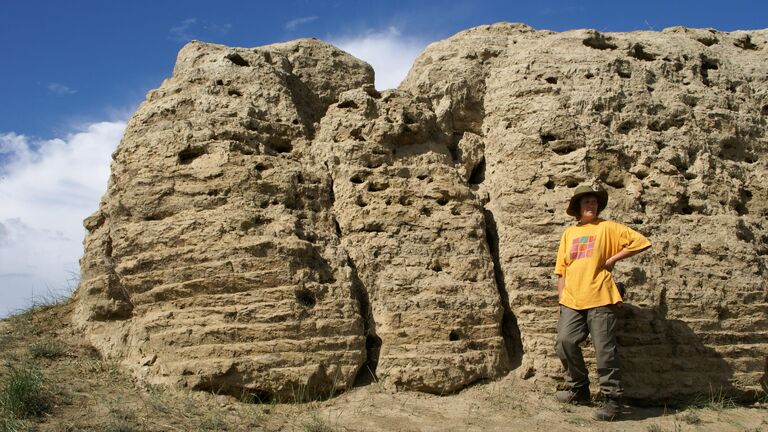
x,y
509,328
367,372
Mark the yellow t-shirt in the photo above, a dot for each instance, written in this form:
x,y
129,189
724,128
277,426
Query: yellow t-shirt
x,y
583,250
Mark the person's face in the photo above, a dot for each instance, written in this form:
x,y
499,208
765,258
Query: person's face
x,y
588,208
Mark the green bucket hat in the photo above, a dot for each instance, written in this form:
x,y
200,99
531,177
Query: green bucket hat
x,y
600,193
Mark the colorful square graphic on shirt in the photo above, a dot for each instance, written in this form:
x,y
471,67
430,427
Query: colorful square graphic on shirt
x,y
582,247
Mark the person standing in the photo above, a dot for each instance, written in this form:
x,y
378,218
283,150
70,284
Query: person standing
x,y
588,297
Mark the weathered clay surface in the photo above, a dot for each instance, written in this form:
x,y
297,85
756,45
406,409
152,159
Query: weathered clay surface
x,y
274,225
416,235
673,124
214,260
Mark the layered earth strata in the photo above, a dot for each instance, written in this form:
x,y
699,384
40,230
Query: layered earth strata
x,y
275,226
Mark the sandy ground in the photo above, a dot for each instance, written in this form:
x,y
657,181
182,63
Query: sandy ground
x,y
512,405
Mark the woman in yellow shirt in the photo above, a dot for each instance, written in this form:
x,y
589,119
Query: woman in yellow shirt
x,y
588,297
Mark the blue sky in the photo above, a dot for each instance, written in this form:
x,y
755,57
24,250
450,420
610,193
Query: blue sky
x,y
72,72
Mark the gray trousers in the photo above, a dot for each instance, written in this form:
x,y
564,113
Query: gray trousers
x,y
572,329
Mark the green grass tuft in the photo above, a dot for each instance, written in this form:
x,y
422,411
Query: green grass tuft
x,y
8,423
23,393
691,416
50,349
316,424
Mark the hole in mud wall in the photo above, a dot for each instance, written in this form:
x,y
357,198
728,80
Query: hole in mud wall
x,y
741,209
745,42
708,64
237,59
234,92
453,147
442,201
735,149
598,41
683,206
377,186
625,127
478,174
571,183
453,336
281,146
638,51
740,205
547,138
551,80
744,233
707,40
306,298
189,154
348,104
564,148
764,110
356,179
367,373
373,164
622,68
156,216
549,184
617,183
437,268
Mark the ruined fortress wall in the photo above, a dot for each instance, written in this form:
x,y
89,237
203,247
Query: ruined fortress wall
x,y
274,225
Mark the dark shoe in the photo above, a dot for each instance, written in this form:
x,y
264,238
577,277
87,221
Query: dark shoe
x,y
611,410
573,396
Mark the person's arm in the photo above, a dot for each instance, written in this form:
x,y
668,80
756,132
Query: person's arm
x,y
560,266
610,262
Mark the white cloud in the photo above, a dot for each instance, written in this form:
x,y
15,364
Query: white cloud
x,y
182,32
190,29
13,148
219,29
60,89
47,188
292,24
390,53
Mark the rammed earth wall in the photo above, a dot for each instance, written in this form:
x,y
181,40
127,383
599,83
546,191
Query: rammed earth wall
x,y
276,226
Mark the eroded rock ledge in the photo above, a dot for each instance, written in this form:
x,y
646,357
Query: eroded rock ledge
x,y
276,226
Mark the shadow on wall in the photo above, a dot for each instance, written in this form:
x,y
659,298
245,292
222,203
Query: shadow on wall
x,y
664,361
